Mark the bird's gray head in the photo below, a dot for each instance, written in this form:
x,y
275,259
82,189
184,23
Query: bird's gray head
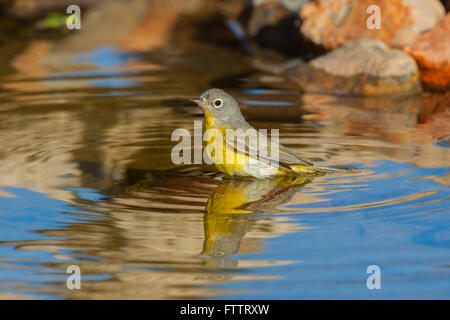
x,y
223,107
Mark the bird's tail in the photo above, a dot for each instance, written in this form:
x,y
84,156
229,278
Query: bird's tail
x,y
300,169
329,169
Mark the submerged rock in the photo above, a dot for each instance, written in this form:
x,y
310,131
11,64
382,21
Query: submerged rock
x,y
432,52
362,67
334,23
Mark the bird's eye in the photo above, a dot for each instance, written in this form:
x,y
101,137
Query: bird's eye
x,y
218,103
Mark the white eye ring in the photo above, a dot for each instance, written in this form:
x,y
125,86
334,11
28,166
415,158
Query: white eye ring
x,y
218,103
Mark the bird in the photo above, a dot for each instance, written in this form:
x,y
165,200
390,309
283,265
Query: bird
x,y
223,116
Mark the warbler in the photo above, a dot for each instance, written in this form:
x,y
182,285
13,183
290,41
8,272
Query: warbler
x,y
223,115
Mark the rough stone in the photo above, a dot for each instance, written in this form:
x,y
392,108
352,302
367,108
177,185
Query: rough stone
x,y
333,23
293,5
362,67
432,52
274,26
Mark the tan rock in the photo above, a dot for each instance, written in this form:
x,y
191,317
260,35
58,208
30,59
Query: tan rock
x,y
363,67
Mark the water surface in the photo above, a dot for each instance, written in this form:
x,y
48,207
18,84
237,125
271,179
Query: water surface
x,y
86,179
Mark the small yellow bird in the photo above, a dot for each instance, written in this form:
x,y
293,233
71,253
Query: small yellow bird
x,y
222,113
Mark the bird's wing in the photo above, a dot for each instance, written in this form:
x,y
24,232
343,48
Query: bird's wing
x,y
249,146
289,157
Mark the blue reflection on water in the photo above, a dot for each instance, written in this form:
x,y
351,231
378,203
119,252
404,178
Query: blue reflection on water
x,y
105,57
409,240
26,212
20,218
403,182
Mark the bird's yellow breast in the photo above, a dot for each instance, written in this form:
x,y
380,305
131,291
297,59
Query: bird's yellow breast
x,y
213,145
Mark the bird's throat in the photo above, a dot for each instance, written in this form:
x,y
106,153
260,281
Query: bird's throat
x,y
209,119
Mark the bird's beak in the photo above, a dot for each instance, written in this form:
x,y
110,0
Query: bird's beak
x,y
196,100
200,102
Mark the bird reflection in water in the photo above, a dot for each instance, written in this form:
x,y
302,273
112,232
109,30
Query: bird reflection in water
x,y
230,212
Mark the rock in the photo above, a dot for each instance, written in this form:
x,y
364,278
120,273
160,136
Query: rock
x,y
362,67
270,13
272,24
432,52
292,5
336,22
